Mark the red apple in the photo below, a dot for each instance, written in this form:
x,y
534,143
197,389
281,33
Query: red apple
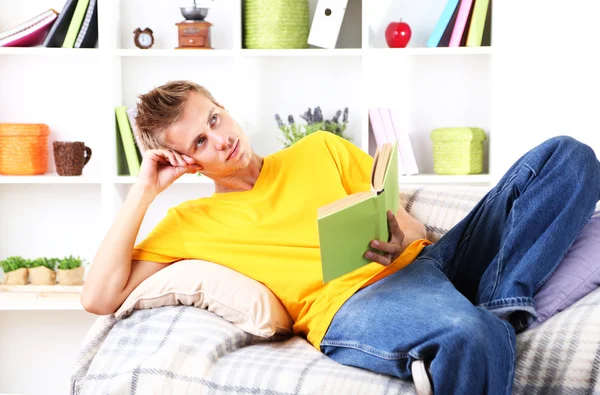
x,y
397,34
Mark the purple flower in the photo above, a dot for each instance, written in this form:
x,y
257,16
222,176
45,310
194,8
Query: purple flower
x,y
345,117
336,117
290,119
318,115
279,121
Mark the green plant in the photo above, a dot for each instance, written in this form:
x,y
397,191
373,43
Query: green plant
x,y
13,263
50,263
69,262
292,132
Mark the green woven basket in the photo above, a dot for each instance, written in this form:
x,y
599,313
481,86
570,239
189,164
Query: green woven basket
x,y
276,24
458,150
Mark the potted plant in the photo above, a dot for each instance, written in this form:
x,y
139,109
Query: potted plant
x,y
41,271
70,271
15,270
292,132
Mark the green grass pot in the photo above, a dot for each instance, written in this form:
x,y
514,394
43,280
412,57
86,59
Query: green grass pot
x,y
276,24
458,150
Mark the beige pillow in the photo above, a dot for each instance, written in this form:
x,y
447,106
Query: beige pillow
x,y
244,302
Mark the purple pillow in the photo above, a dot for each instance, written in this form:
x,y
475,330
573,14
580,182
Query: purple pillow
x,y
576,276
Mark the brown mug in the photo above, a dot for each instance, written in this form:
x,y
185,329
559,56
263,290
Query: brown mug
x,y
70,157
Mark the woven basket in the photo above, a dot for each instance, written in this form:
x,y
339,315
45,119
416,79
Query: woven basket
x,y
458,150
23,148
276,24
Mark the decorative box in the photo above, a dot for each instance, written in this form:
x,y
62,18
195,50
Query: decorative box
x,y
458,150
276,24
23,148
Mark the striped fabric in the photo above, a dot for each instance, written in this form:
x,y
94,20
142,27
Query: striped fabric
x,y
180,350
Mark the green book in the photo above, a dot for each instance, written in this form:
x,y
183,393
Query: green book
x,y
75,24
128,140
478,22
347,226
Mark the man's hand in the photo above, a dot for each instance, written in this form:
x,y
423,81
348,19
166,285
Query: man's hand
x,y
388,252
161,167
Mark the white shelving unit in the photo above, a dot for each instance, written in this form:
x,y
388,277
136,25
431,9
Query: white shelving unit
x,y
76,91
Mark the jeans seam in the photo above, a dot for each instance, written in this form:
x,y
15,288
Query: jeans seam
x,y
508,302
365,349
510,379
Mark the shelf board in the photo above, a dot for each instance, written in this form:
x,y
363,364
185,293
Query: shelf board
x,y
49,179
435,179
168,53
40,297
431,51
302,52
185,179
40,50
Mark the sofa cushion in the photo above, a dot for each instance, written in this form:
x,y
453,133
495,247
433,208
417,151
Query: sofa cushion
x,y
244,302
577,275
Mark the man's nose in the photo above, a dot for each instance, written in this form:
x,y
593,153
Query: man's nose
x,y
222,142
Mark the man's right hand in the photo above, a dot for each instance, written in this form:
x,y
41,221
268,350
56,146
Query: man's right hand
x,y
161,167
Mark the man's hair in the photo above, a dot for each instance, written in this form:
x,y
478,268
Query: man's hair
x,y
161,108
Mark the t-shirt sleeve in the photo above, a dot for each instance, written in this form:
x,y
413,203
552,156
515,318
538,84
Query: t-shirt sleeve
x,y
354,164
164,243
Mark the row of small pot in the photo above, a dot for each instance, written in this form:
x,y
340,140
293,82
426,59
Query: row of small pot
x,y
43,271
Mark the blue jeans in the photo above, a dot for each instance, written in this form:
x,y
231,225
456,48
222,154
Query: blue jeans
x,y
459,305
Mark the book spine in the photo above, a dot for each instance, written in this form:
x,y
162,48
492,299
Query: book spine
x,y
461,23
442,24
76,22
128,140
377,127
477,23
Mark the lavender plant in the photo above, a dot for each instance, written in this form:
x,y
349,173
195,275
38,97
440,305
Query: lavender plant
x,y
292,132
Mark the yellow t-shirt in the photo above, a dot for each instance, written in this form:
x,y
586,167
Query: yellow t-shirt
x,y
269,233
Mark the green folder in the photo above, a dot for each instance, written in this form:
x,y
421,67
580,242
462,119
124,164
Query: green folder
x,y
128,140
347,226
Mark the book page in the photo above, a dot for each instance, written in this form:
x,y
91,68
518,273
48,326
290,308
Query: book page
x,y
343,203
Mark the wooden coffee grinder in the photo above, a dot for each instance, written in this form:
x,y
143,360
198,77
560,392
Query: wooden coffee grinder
x,y
194,31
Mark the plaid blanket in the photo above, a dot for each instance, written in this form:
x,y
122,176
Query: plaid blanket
x,y
181,350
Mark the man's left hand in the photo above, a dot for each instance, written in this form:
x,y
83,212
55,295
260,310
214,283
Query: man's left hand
x,y
387,252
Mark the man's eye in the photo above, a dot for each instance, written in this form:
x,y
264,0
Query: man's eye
x,y
213,120
200,142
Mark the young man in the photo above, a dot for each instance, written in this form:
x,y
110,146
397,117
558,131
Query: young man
x,y
444,314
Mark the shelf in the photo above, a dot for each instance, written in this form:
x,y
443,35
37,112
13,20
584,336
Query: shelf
x,y
49,179
50,51
40,297
301,52
431,51
168,53
434,179
185,179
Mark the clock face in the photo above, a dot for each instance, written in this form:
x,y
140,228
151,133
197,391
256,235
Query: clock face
x,y
145,39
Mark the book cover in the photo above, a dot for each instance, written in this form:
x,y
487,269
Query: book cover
x,y
31,32
128,140
131,114
377,127
88,33
442,23
405,149
464,11
76,22
57,33
480,11
347,226
386,119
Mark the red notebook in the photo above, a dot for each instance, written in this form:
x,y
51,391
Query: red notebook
x,y
30,33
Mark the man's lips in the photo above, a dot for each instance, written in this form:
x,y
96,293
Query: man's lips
x,y
234,150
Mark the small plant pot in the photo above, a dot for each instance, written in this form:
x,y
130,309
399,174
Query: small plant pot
x,y
71,157
71,276
41,275
17,277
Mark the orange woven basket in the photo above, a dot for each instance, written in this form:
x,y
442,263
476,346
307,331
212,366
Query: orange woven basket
x,y
23,148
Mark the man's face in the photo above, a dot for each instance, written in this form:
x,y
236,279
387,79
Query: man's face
x,y
211,137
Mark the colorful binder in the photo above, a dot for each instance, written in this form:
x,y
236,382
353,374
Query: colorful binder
x,y
31,32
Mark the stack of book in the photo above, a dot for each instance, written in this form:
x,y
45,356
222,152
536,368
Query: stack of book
x,y
76,26
463,23
385,124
